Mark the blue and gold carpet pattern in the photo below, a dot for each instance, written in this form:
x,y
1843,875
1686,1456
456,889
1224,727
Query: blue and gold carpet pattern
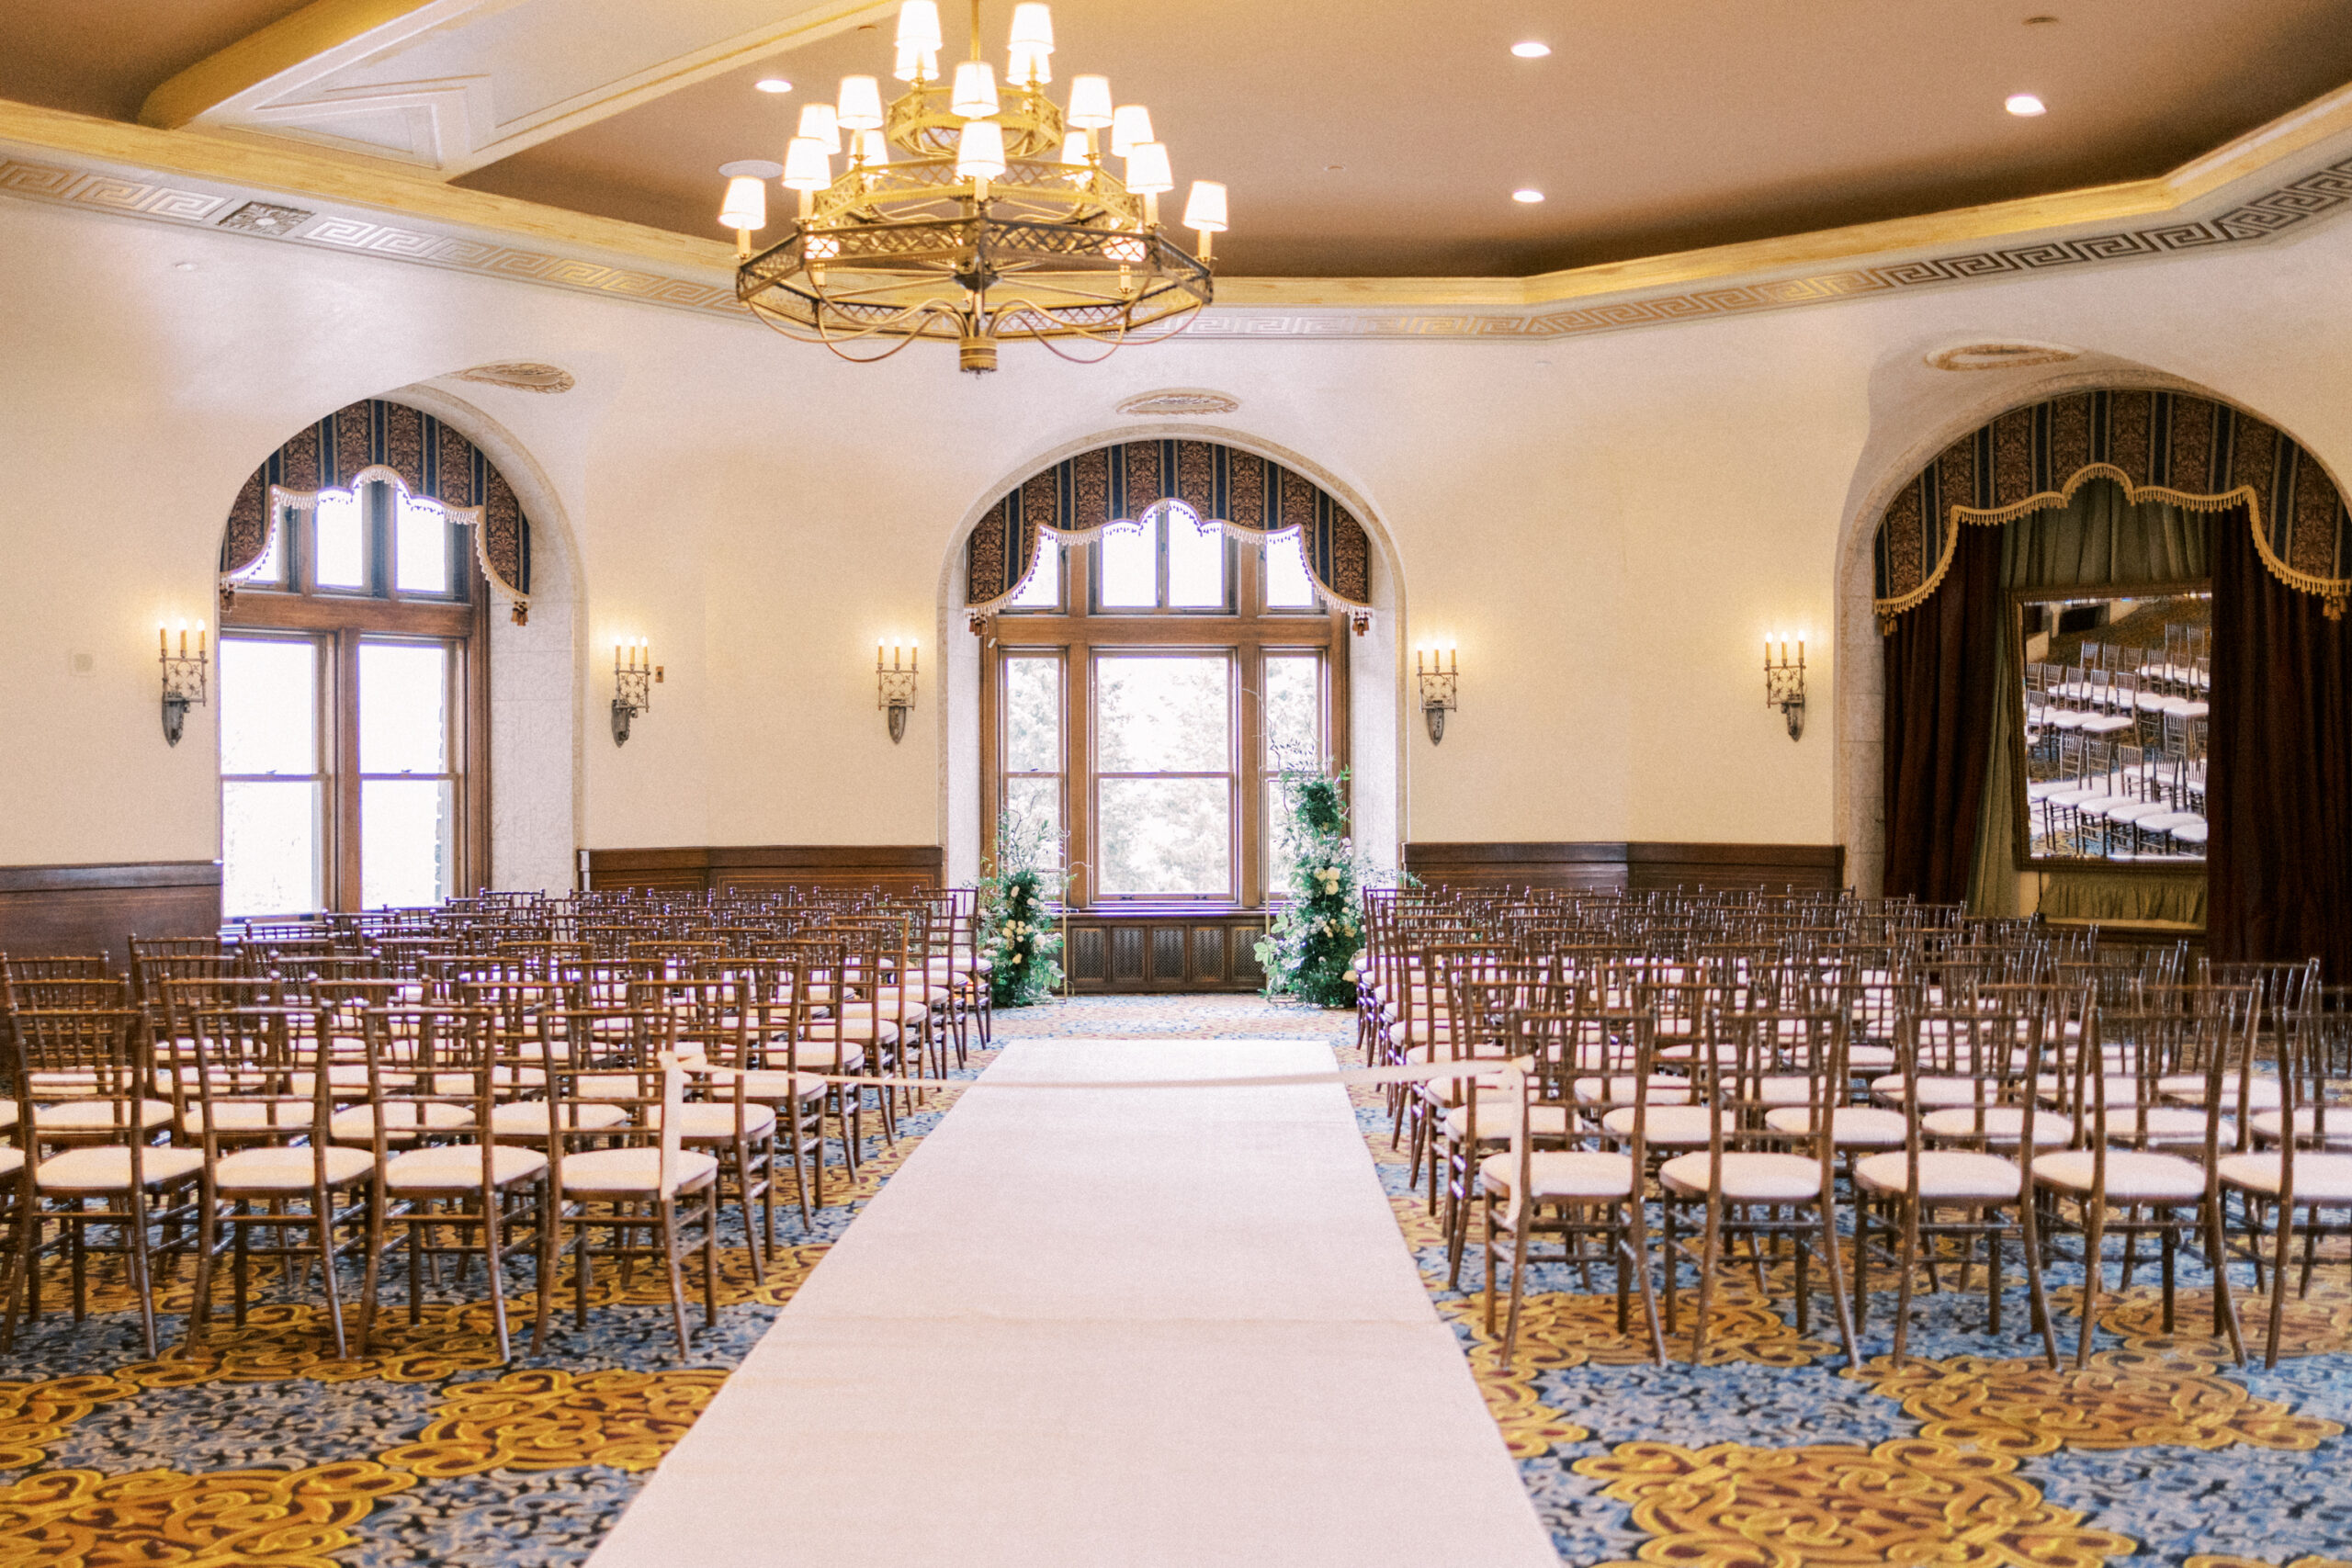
x,y
256,1446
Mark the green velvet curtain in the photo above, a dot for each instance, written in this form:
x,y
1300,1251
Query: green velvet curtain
x,y
2098,541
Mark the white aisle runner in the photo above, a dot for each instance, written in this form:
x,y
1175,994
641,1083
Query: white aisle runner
x,y
1097,1328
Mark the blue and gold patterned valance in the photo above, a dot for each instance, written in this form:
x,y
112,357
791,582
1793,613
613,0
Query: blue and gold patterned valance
x,y
378,439
2187,451
1240,491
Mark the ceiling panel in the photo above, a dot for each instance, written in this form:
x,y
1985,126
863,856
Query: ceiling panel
x,y
103,57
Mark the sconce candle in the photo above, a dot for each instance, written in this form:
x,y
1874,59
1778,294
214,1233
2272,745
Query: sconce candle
x,y
184,677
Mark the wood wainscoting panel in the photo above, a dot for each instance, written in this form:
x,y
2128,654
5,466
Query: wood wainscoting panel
x,y
50,911
1163,949
896,868
1641,867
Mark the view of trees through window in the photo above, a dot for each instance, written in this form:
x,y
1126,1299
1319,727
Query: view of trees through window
x,y
1151,689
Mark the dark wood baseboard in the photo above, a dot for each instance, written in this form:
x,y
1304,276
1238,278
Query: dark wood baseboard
x,y
47,910
898,868
1637,867
1162,948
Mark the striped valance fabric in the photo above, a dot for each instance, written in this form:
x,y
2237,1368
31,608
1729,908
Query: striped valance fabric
x,y
378,439
2169,446
1241,491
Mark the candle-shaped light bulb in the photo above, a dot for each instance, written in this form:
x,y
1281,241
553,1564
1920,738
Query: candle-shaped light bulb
x,y
183,628
914,656
877,656
1800,650
163,637
200,644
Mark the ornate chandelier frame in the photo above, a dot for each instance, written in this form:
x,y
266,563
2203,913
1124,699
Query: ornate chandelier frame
x,y
925,234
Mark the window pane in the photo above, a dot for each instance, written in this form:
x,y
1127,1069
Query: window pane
x,y
1033,716
1130,574
421,547
403,707
1171,836
270,843
407,841
1032,810
1195,561
1161,715
269,708
1294,718
341,559
1287,585
1043,589
271,566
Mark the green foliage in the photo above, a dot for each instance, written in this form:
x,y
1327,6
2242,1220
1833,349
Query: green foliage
x,y
1016,929
1310,946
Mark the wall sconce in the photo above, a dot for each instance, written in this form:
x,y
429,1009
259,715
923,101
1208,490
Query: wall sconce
x,y
634,677
183,678
1438,669
895,684
1785,684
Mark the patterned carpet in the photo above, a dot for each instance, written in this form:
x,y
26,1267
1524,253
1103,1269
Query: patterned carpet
x,y
257,1446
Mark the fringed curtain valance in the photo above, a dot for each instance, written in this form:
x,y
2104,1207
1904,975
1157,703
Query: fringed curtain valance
x,y
1240,491
381,440
2188,451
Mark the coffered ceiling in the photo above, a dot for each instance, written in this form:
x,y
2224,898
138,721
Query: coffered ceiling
x,y
1358,140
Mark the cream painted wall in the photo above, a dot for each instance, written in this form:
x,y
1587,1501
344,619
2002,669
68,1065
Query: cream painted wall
x,y
1607,527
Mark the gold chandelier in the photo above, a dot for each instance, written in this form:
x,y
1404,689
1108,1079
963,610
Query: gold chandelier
x,y
971,213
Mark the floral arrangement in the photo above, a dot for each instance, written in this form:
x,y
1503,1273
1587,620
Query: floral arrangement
x,y
1310,946
1017,932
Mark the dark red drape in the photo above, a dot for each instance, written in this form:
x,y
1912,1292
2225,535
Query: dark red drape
x,y
2279,797
1942,686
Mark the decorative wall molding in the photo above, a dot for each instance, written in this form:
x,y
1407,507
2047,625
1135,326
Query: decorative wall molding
x,y
897,867
2000,355
1175,402
522,375
479,235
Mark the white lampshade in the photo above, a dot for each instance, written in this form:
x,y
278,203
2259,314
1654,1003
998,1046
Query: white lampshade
x,y
1029,66
1204,208
806,166
979,151
918,26
860,108
873,149
914,63
1033,26
1089,102
975,95
817,125
746,206
1074,148
1148,169
1130,125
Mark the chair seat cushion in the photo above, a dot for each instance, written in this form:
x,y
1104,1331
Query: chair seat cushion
x,y
1999,1125
704,1120
1665,1089
636,1172
1748,1176
457,1167
2132,1175
1563,1174
96,1115
247,1115
2261,1094
2164,1125
537,1118
2266,1124
401,1118
1933,1091
287,1170
772,1087
1947,1176
1494,1120
1677,1124
1851,1126
108,1168
2318,1177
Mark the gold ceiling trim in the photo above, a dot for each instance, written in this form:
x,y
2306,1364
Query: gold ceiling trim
x,y
318,29
192,179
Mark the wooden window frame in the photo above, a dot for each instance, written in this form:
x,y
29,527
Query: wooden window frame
x,y
1247,629
339,619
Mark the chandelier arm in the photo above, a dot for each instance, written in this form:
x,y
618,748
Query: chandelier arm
x,y
818,332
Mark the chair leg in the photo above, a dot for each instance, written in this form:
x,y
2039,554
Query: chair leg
x,y
1830,1266
677,1281
1906,1264
322,1216
1517,1278
1639,1226
1710,1255
2028,1227
2094,1235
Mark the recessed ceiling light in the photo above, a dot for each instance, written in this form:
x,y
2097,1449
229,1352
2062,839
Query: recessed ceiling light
x,y
183,266
1531,50
1527,194
2025,106
1333,168
773,85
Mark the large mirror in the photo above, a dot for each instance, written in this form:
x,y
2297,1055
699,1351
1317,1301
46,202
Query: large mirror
x,y
2117,709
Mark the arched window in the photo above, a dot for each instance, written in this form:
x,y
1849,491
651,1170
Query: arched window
x,y
1143,691
353,673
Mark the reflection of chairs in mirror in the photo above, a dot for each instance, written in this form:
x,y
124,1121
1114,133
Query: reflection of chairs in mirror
x,y
2115,737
